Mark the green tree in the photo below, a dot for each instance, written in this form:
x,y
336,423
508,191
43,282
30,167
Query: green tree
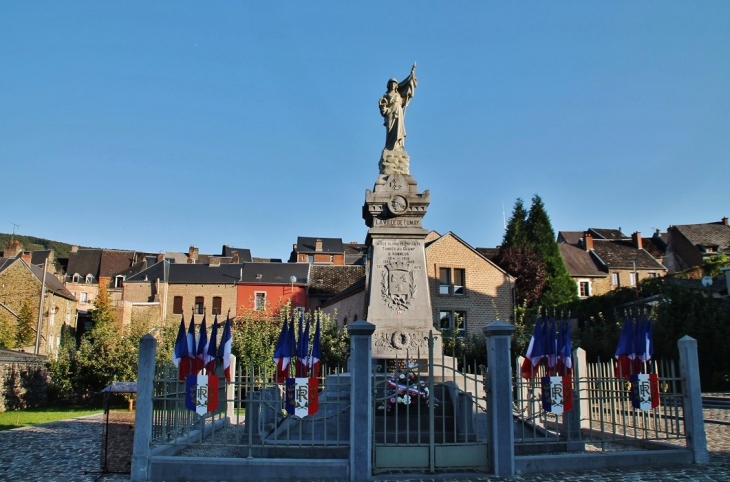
x,y
516,233
25,334
559,286
7,333
712,266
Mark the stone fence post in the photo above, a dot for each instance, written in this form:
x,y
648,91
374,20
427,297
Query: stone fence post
x,y
143,416
361,407
499,398
694,423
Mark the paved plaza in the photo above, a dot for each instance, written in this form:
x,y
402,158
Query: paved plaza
x,y
69,451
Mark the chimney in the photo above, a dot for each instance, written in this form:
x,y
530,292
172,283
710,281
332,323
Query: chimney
x,y
636,240
160,257
318,245
192,255
74,248
214,261
12,248
26,256
587,241
235,259
724,220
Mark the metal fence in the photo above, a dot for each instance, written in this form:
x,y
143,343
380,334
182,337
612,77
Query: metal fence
x,y
602,417
251,420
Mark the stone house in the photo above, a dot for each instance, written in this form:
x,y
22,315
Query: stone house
x,y
689,245
318,251
21,282
601,260
327,284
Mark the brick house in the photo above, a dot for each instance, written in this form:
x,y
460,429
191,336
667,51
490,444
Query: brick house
x,y
326,282
170,290
601,260
688,245
318,251
464,287
21,282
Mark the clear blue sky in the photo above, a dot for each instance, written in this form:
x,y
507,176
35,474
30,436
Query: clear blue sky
x,y
157,125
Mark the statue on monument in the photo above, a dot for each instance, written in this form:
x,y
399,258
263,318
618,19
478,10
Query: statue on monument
x,y
393,109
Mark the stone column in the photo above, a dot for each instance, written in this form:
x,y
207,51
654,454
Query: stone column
x,y
361,406
694,422
143,416
499,398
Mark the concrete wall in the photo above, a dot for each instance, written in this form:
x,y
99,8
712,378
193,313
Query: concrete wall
x,y
23,381
348,309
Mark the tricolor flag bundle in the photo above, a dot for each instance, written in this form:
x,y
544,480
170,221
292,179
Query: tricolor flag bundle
x,y
535,351
194,358
635,347
302,349
550,342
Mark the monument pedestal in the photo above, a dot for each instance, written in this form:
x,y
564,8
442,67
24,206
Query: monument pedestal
x,y
399,300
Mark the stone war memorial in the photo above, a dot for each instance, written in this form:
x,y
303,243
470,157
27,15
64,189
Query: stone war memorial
x,y
398,296
401,406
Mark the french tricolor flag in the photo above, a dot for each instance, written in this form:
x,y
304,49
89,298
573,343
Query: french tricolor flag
x,y
211,351
535,351
181,354
201,393
224,351
315,357
282,353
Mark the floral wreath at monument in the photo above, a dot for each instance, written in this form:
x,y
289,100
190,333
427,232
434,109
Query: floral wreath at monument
x,y
394,301
405,387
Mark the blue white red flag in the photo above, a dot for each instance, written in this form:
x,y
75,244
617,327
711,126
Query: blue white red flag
x,y
625,350
180,354
302,349
557,394
224,350
201,393
202,347
282,353
211,352
192,347
302,396
535,351
644,393
551,346
565,350
316,355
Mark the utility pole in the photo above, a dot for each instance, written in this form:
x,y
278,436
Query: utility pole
x,y
40,309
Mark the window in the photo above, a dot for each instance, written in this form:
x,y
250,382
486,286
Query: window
x,y
217,304
652,275
615,280
118,281
584,289
89,279
444,281
177,305
259,303
75,278
632,278
459,275
298,312
453,320
451,281
199,305
84,297
310,258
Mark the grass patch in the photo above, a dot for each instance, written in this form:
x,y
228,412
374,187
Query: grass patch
x,y
35,416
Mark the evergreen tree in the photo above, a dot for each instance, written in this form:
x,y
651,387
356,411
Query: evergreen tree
x,y
516,234
103,309
559,286
25,334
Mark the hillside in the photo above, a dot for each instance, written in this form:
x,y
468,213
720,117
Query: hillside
x,y
31,243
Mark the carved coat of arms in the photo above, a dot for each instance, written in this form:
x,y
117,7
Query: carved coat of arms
x,y
398,286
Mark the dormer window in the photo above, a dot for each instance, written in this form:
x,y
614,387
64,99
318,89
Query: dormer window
x,y
89,279
75,278
118,281
259,276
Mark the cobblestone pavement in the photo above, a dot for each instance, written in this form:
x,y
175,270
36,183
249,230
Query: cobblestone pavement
x,y
69,450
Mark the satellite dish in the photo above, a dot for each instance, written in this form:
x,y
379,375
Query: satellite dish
x,y
292,279
706,281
